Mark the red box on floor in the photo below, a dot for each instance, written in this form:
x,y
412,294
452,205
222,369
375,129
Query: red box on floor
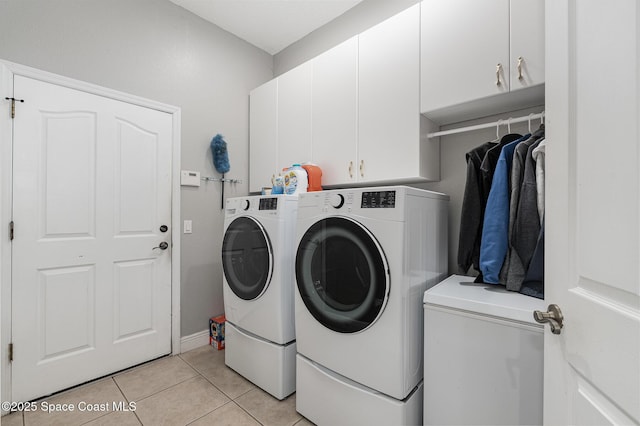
x,y
216,331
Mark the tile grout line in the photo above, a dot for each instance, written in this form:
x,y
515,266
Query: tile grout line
x,y
214,385
165,389
126,399
224,393
251,415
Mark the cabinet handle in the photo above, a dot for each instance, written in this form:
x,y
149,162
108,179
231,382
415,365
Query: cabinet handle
x,y
361,168
351,169
498,68
520,60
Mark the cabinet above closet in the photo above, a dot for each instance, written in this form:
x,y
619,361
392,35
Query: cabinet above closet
x,y
480,57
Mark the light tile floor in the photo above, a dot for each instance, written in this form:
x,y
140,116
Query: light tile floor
x,y
194,388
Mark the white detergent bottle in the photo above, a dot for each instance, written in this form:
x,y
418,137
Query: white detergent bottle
x,y
295,180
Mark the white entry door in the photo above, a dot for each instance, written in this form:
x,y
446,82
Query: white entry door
x,y
91,287
592,369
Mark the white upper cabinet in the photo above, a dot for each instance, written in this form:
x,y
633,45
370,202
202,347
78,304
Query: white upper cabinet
x,y
335,113
527,43
279,126
294,116
389,99
463,43
474,51
263,135
353,110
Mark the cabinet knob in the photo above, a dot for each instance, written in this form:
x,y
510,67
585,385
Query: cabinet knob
x,y
351,169
361,168
520,61
498,68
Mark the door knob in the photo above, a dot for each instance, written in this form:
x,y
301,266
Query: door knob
x,y
162,246
553,316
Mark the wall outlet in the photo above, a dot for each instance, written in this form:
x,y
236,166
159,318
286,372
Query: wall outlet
x,y
188,229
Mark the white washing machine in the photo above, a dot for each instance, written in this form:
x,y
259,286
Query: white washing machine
x,y
483,357
258,252
365,257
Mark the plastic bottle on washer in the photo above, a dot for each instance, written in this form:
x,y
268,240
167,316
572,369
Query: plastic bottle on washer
x,y
295,180
278,185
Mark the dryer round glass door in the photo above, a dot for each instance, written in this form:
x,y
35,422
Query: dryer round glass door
x,y
342,274
247,258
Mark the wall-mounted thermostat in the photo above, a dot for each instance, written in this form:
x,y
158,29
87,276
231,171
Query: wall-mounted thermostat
x,y
189,178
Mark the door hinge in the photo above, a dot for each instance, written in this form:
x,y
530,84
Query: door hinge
x,y
13,105
10,352
11,231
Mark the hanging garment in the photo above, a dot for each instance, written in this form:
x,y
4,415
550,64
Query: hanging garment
x,y
481,163
472,214
490,161
527,226
539,158
517,173
494,244
533,284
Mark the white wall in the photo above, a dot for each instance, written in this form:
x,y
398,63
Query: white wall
x,y
354,21
157,50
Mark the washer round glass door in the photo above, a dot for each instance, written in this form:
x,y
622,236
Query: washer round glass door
x,y
342,274
247,259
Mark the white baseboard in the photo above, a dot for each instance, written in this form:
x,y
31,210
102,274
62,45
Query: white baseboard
x,y
194,341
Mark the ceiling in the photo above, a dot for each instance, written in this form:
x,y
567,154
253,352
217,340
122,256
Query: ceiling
x,y
271,25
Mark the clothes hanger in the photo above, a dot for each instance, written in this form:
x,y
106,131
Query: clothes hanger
x,y
497,139
530,116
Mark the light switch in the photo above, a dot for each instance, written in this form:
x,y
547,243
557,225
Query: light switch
x,y
188,227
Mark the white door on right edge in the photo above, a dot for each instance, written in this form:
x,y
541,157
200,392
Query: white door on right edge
x,y
592,369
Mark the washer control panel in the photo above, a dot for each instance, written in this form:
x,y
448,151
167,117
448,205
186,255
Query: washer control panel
x,y
336,200
268,204
378,199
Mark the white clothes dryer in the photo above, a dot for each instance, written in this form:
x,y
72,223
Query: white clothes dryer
x,y
364,259
258,286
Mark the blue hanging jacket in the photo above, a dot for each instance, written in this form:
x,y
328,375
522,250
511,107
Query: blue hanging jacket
x,y
495,230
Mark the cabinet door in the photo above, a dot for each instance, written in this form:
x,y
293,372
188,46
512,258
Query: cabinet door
x,y
527,43
263,135
389,98
334,128
462,43
294,116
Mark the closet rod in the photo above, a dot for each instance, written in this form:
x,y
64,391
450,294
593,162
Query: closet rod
x,y
505,122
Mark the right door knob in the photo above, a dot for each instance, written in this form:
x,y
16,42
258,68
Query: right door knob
x,y
553,316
